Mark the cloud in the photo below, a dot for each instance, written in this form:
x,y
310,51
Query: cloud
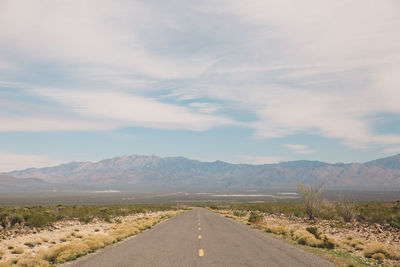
x,y
257,160
129,110
299,149
295,66
391,150
41,123
89,34
205,107
10,161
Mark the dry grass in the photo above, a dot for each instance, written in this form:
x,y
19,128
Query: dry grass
x,y
76,248
278,229
357,245
304,237
125,230
380,257
8,263
17,250
75,234
98,241
66,252
28,260
377,247
2,252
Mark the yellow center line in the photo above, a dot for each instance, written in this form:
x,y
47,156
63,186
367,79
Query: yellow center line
x,y
199,229
201,252
199,236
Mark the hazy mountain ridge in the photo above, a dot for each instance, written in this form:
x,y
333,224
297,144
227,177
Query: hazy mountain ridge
x,y
12,183
152,171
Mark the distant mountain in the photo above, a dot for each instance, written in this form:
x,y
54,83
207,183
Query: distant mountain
x,y
10,183
135,171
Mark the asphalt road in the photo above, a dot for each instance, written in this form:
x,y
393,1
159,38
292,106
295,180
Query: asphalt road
x,y
201,238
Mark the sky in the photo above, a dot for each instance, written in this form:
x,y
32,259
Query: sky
x,y
239,81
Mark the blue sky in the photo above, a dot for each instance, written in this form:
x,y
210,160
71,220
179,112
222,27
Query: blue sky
x,y
239,81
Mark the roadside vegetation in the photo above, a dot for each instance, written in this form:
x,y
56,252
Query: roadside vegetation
x,y
65,233
41,216
345,232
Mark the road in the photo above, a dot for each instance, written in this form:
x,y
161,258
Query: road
x,y
201,238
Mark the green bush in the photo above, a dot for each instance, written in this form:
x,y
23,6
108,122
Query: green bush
x,y
395,224
382,213
15,219
41,216
239,213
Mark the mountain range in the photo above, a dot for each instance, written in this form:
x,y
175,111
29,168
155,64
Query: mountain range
x,y
147,172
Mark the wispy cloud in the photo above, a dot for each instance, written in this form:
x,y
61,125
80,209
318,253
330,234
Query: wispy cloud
x,y
294,66
299,149
392,150
126,109
11,161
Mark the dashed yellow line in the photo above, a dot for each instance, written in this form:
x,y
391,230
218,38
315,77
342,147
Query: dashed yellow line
x,y
199,229
201,252
199,236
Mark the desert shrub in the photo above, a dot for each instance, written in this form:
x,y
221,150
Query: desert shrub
x,y
304,237
77,235
327,242
15,219
239,213
40,216
314,230
125,231
17,250
312,198
377,247
380,257
357,245
4,219
95,242
30,244
346,209
255,217
2,252
309,238
376,213
395,224
85,219
277,229
67,252
28,260
39,220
